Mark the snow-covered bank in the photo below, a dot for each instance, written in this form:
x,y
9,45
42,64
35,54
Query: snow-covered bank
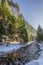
x,y
11,48
39,61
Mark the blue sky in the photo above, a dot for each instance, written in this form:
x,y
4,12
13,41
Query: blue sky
x,y
32,11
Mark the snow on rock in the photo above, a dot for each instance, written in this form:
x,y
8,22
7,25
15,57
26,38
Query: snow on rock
x,y
24,53
28,52
39,61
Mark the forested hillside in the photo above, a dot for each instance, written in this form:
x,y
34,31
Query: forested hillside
x,y
12,28
16,11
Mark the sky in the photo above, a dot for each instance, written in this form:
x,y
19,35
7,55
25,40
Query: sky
x,y
32,11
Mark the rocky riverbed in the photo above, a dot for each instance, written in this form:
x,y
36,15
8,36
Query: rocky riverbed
x,y
22,55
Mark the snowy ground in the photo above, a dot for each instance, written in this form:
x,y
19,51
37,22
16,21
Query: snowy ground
x,y
38,61
11,47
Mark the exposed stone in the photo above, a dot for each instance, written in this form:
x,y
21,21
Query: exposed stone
x,y
24,55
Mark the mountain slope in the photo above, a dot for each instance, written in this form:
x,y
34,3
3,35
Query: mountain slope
x,y
31,29
16,11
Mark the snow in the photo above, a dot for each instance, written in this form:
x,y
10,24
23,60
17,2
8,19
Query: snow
x,y
30,42
9,48
34,62
39,61
14,42
4,49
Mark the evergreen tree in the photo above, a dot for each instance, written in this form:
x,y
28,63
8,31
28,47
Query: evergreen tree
x,y
7,19
21,29
39,33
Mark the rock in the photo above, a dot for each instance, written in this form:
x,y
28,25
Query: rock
x,y
24,55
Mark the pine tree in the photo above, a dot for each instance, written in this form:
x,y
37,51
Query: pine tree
x,y
6,17
39,33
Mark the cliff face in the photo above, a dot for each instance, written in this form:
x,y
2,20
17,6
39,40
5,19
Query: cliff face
x,y
14,7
